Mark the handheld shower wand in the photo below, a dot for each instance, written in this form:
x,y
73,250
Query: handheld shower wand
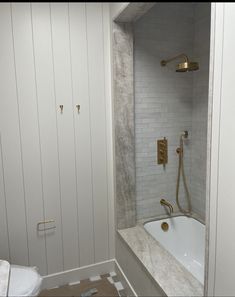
x,y
180,152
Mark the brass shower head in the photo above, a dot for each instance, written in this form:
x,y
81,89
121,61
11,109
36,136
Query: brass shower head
x,y
187,66
183,66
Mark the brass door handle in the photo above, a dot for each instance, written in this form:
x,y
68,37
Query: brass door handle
x,y
44,223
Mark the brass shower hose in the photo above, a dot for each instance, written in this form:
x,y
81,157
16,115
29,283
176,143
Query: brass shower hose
x,y
181,169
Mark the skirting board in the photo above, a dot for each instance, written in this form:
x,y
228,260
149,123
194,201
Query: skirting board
x,y
74,275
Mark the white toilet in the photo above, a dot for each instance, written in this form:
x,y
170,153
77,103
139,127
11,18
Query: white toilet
x,y
24,281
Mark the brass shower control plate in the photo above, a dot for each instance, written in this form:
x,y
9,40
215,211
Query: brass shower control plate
x,y
162,151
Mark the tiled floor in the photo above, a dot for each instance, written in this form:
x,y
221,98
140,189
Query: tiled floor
x,y
106,285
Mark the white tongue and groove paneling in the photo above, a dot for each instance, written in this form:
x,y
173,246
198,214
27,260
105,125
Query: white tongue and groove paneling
x,y
29,126
48,131
80,85
11,143
54,165
97,116
4,242
63,93
109,127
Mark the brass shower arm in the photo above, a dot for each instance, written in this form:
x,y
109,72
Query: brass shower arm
x,y
164,62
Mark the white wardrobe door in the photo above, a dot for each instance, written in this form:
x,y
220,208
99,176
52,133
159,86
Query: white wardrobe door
x,y
98,127
63,91
48,132
80,87
29,126
53,164
11,143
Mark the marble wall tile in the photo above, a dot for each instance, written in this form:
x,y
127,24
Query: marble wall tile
x,y
124,125
167,103
163,102
201,52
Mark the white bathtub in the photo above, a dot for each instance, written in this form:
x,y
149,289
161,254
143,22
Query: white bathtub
x,y
185,240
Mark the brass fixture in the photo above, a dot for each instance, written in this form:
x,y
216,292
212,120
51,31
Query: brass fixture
x,y
61,108
180,152
184,134
44,223
162,148
163,202
180,148
183,66
165,226
78,107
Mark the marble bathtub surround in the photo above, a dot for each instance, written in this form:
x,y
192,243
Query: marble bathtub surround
x,y
158,103
4,277
162,267
124,125
174,279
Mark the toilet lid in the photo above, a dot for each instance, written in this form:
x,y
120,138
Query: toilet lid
x,y
24,281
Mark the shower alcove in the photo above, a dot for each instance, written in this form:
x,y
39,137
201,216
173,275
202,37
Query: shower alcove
x,y
152,102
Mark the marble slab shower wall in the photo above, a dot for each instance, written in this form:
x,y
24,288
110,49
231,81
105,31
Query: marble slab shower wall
x,y
163,104
163,101
124,125
200,108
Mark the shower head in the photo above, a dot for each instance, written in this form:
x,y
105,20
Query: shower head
x,y
187,66
183,66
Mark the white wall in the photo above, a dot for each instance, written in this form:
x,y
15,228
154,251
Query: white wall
x,y
55,165
222,202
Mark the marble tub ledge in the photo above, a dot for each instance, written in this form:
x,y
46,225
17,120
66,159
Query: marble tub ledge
x,y
173,278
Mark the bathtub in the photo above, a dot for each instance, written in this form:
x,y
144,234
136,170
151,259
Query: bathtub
x,y
185,240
